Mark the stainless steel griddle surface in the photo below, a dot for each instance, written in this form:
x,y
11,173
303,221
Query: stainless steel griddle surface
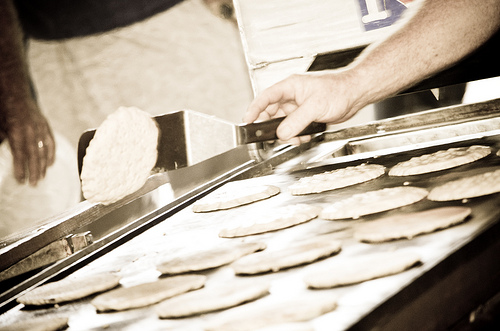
x,y
187,232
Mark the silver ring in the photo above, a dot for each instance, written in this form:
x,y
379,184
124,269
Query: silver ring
x,y
40,144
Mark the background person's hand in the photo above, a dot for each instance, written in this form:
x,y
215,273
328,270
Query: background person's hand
x,y
21,122
31,141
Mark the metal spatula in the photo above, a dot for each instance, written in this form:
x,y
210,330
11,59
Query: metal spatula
x,y
189,137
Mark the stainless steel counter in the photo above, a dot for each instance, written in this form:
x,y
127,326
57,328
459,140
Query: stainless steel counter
x,y
460,266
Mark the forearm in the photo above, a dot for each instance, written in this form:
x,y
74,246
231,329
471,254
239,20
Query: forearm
x,y
21,122
438,35
14,76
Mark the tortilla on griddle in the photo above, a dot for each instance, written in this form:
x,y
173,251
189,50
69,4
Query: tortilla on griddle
x,y
467,187
298,254
148,293
211,299
69,289
373,202
234,194
271,220
359,269
440,160
409,225
208,259
120,157
292,326
259,315
38,324
336,179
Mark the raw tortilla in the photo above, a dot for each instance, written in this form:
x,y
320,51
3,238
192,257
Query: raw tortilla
x,y
38,324
208,259
335,179
119,158
272,220
147,294
234,194
359,269
373,202
265,315
211,299
298,254
69,289
294,326
468,187
440,160
409,225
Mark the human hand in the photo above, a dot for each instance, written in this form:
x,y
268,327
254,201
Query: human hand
x,y
327,97
31,142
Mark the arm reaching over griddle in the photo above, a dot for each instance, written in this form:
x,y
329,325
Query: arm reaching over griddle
x,y
438,35
21,121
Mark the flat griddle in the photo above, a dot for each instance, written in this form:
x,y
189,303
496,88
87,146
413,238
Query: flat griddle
x,y
459,270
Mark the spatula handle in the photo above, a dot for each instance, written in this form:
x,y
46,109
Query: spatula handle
x,y
266,130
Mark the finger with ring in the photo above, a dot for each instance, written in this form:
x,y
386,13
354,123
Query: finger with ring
x,y
40,144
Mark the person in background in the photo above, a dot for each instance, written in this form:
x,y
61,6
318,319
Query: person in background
x,y
438,35
22,123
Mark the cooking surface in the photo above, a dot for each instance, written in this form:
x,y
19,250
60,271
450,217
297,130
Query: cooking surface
x,y
190,232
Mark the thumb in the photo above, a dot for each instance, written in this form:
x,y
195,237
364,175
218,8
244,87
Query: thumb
x,y
295,122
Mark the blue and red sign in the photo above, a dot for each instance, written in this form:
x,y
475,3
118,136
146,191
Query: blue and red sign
x,y
376,14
